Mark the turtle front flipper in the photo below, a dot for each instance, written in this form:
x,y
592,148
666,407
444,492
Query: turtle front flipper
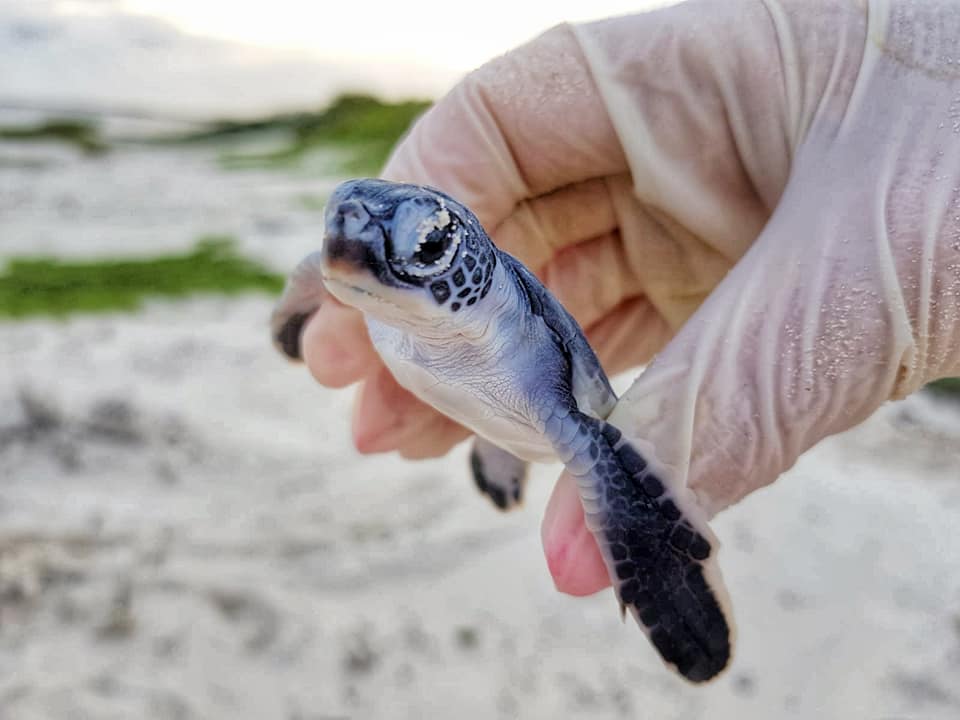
x,y
497,474
302,296
659,552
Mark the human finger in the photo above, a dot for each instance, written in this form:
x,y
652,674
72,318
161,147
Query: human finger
x,y
336,347
592,278
524,124
387,417
629,335
573,558
435,437
538,228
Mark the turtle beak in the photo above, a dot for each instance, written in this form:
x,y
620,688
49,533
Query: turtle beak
x,y
347,241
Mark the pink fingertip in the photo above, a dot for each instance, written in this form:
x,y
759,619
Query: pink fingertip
x,y
573,557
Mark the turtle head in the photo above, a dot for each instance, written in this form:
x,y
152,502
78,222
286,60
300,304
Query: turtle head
x,y
404,252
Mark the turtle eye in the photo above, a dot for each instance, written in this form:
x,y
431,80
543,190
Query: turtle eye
x,y
434,244
422,239
426,247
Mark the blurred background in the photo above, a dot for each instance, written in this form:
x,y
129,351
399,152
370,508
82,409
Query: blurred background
x,y
185,529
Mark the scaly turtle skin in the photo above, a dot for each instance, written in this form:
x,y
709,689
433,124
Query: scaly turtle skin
x,y
471,331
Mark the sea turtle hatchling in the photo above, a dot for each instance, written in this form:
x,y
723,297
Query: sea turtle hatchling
x,y
467,328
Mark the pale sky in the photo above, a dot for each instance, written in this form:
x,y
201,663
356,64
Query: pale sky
x,y
454,36
211,58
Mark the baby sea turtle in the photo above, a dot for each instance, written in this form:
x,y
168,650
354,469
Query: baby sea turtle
x,y
471,331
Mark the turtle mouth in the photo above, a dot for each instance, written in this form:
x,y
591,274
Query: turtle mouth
x,y
334,284
330,280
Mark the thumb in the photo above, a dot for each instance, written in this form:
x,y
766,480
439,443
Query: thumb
x,y
804,338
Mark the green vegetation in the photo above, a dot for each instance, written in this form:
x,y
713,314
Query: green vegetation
x,y
358,129
355,133
81,135
947,386
48,286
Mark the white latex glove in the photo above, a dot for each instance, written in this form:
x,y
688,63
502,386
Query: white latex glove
x,y
766,194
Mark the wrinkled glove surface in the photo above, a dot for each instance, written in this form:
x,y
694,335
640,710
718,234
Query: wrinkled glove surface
x,y
759,199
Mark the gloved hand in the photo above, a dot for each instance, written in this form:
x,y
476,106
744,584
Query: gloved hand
x,y
766,194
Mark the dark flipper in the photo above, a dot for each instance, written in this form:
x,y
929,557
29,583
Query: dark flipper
x,y
302,296
497,474
287,338
659,551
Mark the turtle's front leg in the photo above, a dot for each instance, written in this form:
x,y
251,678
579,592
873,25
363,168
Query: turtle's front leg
x,y
497,474
302,296
660,554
